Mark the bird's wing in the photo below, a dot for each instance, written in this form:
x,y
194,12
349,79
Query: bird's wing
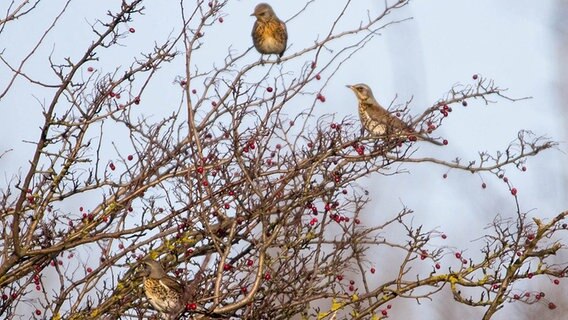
x,y
377,112
285,34
172,284
253,33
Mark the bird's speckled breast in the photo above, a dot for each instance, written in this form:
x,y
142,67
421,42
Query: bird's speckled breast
x,y
373,126
270,37
159,295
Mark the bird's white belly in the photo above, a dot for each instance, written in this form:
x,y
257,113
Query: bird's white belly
x,y
272,44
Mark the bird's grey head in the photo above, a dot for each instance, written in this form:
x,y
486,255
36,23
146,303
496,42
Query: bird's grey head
x,y
263,12
152,269
363,92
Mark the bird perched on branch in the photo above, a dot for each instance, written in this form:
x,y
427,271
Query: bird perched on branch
x,y
165,293
269,33
378,121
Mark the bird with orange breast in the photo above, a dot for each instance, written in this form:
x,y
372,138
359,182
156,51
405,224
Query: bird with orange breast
x,y
269,33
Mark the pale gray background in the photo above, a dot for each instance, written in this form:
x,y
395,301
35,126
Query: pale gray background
x,y
520,44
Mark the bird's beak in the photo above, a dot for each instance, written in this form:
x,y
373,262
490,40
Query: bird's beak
x,y
349,86
252,14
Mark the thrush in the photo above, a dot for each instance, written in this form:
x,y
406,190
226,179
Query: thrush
x,y
165,293
378,121
269,33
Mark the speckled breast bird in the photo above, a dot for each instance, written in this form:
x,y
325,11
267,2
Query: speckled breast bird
x,y
164,292
269,33
378,121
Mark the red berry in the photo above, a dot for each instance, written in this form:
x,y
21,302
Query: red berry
x,y
339,277
551,306
556,281
214,103
464,103
227,267
529,275
444,236
90,69
318,77
483,185
474,77
351,288
221,19
445,142
373,270
530,236
205,183
458,255
437,266
384,312
314,65
514,191
200,170
244,289
130,157
193,91
320,97
190,306
89,269
38,312
267,276
524,168
357,221
111,166
250,262
516,297
445,175
136,100
269,89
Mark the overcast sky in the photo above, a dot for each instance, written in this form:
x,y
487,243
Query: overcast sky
x,y
514,42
